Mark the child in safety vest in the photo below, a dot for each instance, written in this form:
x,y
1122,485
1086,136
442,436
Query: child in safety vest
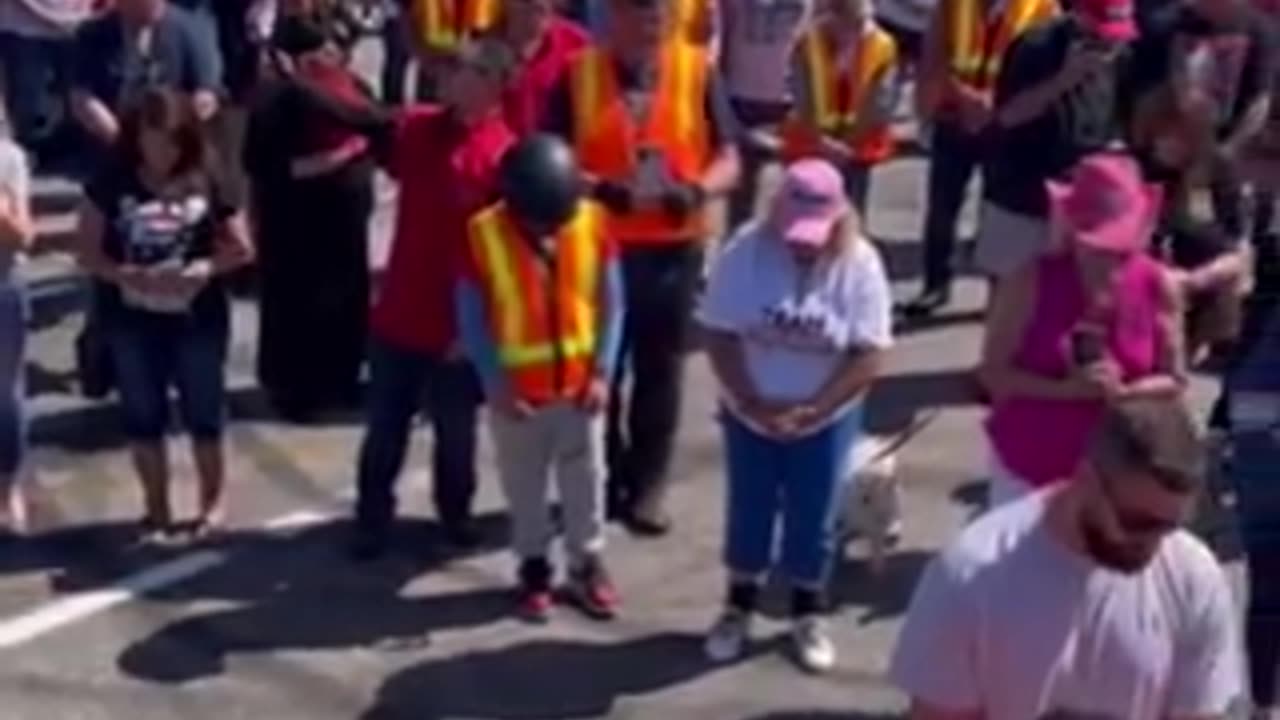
x,y
540,309
845,76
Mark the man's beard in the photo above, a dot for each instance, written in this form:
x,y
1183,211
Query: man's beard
x,y
1113,556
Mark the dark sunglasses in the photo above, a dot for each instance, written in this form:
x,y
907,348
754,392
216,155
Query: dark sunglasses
x,y
1134,522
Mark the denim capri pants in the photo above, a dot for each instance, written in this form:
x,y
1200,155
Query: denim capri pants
x,y
796,483
13,340
154,353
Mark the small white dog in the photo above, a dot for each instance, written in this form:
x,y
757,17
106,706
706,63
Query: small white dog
x,y
873,499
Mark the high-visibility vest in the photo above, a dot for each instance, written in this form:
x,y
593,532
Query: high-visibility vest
x,y
691,20
976,45
542,310
837,97
607,139
445,23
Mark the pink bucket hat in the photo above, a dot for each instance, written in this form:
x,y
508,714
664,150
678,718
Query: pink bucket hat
x,y
809,202
1106,204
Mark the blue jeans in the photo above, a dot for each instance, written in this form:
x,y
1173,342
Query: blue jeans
x,y
1253,469
401,383
37,75
798,482
13,339
151,355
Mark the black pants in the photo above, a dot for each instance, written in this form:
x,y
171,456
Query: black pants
x,y
955,156
402,383
644,407
753,115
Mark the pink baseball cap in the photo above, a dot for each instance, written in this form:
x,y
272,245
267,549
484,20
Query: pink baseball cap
x,y
1106,204
1111,19
809,202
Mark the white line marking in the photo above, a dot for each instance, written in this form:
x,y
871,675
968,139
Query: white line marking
x,y
44,619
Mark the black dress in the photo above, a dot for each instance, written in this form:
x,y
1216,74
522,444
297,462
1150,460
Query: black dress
x,y
313,261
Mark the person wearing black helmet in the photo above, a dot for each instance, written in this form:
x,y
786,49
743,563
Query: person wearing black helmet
x,y
540,309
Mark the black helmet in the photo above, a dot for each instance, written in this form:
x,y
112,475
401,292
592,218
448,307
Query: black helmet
x,y
540,182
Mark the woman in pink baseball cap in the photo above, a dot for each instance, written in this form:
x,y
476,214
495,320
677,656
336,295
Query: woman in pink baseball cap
x,y
797,319
1094,321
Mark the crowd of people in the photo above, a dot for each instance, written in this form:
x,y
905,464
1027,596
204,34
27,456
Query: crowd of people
x,y
556,165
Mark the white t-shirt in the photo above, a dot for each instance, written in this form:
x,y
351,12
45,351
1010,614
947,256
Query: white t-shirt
x,y
1010,621
797,324
758,38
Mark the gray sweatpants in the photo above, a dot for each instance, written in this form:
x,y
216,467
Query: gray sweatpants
x,y
562,440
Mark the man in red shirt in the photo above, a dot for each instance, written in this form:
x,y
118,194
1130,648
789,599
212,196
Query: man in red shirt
x,y
543,42
445,159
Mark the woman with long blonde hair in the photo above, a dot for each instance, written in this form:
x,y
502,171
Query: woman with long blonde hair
x,y
797,319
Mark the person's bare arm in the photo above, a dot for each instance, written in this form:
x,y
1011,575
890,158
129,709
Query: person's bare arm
x,y
205,104
1252,123
1170,376
234,248
924,711
16,229
94,116
1011,312
722,174
728,364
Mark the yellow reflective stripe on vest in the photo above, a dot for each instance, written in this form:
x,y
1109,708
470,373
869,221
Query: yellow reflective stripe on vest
x,y
440,26
966,31
1017,17
822,84
683,61
874,52
587,230
587,80
501,269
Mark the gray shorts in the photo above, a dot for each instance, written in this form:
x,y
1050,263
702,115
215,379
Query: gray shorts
x,y
1008,240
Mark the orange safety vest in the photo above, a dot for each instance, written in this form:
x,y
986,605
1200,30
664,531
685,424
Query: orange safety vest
x,y
691,21
976,45
838,97
608,142
445,23
545,338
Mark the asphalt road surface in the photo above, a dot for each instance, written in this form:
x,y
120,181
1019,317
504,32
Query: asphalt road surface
x,y
273,622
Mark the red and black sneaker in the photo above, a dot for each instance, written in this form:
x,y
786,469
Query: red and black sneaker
x,y
591,591
533,597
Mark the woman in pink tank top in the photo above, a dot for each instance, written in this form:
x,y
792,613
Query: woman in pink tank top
x,y
1095,321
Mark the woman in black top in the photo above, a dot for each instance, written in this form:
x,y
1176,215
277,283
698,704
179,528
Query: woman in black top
x,y
311,180
159,231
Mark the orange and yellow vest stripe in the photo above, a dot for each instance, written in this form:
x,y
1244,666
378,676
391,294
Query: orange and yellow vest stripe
x,y
608,139
976,44
837,97
545,332
442,24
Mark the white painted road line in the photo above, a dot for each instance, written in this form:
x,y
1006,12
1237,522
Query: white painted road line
x,y
44,619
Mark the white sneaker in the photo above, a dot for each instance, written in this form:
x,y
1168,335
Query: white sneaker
x,y
728,637
814,649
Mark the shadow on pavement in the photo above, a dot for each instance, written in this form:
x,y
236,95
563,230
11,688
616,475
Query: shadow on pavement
x,y
542,679
314,599
884,596
312,615
897,400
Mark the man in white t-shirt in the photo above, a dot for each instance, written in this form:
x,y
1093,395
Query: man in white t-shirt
x,y
1086,599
